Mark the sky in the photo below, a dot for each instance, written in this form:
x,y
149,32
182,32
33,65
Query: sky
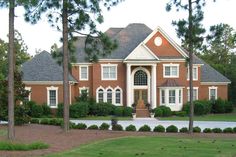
x,y
42,36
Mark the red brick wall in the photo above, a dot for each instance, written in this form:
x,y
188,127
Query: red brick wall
x,y
222,91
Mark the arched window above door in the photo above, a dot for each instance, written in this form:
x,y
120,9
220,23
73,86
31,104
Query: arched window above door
x,y
140,78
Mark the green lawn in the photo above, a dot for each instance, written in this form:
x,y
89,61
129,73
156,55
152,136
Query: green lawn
x,y
210,117
155,146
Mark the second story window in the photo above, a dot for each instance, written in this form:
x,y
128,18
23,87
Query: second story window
x,y
195,73
171,70
109,72
83,73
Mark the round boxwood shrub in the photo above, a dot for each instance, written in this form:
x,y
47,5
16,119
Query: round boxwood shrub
x,y
159,128
197,129
217,130
79,109
119,111
144,128
228,130
234,129
201,107
93,127
207,130
44,121
171,128
130,128
34,121
128,111
117,127
166,111
183,130
104,126
158,112
81,126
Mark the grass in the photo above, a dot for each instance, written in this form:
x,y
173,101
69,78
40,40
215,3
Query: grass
x,y
230,117
3,132
155,146
9,146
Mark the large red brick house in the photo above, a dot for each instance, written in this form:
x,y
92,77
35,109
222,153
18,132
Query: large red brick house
x,y
148,65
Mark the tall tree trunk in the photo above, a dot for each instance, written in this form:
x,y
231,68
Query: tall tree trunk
x,y
11,131
191,67
65,66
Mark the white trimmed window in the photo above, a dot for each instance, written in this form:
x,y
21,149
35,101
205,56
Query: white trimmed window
x,y
171,96
52,96
109,95
118,96
100,95
28,98
171,70
195,73
195,93
109,71
83,75
212,93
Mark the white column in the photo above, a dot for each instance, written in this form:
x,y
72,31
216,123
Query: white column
x,y
128,85
154,95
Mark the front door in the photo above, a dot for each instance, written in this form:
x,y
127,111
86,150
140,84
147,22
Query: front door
x,y
140,94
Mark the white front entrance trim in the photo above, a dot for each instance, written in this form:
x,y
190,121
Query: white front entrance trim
x,y
153,77
128,83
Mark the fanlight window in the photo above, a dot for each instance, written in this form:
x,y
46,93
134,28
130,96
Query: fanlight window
x,y
140,78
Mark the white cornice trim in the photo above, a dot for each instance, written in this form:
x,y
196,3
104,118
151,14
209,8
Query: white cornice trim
x,y
215,83
159,29
46,82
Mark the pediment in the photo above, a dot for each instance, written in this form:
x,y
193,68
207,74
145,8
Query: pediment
x,y
141,52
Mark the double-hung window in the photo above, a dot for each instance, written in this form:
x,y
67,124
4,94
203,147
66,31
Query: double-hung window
x,y
109,72
171,70
83,73
172,96
195,73
212,93
195,94
52,96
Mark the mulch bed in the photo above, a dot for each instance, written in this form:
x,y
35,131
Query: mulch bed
x,y
60,141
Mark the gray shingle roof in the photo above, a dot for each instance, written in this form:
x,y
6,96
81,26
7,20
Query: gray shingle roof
x,y
42,67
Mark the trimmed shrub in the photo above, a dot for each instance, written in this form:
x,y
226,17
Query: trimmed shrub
x,y
228,106
119,111
93,127
201,107
181,113
71,125
166,111
197,129
158,112
207,130
130,128
218,106
44,121
171,128
104,126
21,116
183,130
234,129
54,121
60,110
117,127
217,130
159,128
81,126
46,110
78,110
228,130
104,109
128,111
145,128
34,121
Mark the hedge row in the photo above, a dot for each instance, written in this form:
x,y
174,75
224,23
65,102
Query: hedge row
x,y
144,128
83,109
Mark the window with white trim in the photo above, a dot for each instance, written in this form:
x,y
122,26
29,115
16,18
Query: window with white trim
x,y
180,96
28,98
162,96
212,93
100,95
140,78
195,93
109,96
171,96
171,70
118,96
83,73
109,72
52,96
195,73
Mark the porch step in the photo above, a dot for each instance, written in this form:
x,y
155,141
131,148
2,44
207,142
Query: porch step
x,y
140,113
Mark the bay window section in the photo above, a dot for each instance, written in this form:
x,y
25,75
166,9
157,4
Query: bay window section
x,y
171,96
